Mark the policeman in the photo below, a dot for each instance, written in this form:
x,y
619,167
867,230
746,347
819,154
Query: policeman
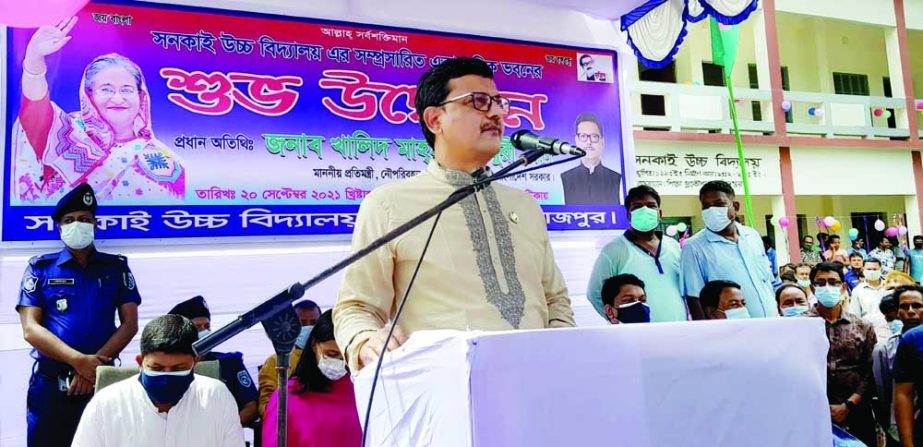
x,y
67,307
231,364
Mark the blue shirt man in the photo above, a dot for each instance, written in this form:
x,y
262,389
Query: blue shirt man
x,y
916,259
726,250
231,364
646,254
908,375
67,306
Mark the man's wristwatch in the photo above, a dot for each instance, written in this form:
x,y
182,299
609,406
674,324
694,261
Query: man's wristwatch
x,y
850,405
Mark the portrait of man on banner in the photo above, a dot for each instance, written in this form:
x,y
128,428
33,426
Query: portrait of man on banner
x,y
590,183
594,68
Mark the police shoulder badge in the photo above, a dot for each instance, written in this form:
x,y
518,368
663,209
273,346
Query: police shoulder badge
x,y
244,378
28,283
129,280
61,304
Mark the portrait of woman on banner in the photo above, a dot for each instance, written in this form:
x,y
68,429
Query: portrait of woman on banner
x,y
109,143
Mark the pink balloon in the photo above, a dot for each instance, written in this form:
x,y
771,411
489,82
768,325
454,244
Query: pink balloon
x,y
919,104
36,13
902,230
783,222
829,221
786,105
878,112
891,232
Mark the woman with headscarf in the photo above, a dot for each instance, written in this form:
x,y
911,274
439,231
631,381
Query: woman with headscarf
x,y
108,143
321,404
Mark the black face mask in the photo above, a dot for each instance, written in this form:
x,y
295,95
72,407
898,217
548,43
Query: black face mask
x,y
918,245
636,312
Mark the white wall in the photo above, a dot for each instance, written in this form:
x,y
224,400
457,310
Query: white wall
x,y
852,172
812,56
880,12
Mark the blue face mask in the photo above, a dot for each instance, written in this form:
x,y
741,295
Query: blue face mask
x,y
636,312
737,314
166,387
828,296
794,311
303,336
896,326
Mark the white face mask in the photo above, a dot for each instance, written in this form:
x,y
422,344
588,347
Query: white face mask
x,y
331,367
716,218
77,235
872,275
204,333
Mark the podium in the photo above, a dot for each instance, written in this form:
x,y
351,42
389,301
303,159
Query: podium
x,y
710,383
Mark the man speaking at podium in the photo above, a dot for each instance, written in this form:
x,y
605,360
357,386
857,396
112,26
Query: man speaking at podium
x,y
489,266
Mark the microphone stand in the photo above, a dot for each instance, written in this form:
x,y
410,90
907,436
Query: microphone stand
x,y
278,316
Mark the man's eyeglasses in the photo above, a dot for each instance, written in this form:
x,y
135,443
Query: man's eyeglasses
x,y
828,282
482,102
591,137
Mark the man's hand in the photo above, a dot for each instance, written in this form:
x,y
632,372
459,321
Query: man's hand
x,y
85,365
80,386
373,347
839,413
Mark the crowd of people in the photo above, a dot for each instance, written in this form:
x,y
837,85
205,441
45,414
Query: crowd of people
x,y
870,305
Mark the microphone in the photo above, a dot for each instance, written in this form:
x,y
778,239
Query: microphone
x,y
525,140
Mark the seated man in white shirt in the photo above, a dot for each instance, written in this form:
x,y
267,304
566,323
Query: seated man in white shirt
x,y
166,405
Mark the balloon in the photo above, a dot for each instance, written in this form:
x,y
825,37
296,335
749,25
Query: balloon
x,y
812,111
891,232
671,230
902,230
919,105
853,234
688,82
681,227
878,111
888,114
837,226
38,13
828,221
774,220
879,225
786,106
819,113
783,222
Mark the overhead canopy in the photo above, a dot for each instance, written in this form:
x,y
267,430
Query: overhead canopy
x,y
657,28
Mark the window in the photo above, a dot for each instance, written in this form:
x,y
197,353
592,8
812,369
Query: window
x,y
850,84
755,106
713,74
655,104
786,86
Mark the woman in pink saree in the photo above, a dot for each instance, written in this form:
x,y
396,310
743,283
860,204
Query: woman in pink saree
x,y
108,143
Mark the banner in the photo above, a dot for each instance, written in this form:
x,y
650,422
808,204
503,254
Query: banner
x,y
680,170
194,122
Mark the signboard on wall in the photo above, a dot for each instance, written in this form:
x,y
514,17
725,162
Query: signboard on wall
x,y
200,123
680,170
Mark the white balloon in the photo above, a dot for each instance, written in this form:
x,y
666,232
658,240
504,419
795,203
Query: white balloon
x,y
879,225
671,231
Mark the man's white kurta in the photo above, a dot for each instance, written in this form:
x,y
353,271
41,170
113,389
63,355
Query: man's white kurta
x,y
123,415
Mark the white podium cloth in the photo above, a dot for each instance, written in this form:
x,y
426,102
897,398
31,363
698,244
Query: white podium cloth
x,y
715,383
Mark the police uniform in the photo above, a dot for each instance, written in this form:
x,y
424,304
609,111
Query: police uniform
x,y
79,306
231,364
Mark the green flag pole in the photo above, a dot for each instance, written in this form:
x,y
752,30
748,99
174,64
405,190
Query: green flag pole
x,y
740,153
724,43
